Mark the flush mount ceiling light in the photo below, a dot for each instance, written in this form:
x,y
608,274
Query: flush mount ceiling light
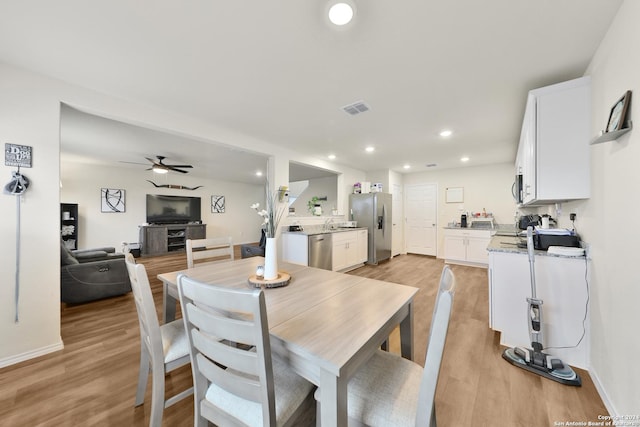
x,y
341,13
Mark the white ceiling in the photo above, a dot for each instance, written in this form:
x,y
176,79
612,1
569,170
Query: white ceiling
x,y
278,71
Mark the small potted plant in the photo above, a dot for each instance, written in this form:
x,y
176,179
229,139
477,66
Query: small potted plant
x,y
314,206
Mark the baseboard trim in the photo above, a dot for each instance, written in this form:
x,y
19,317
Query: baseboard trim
x,y
602,392
12,360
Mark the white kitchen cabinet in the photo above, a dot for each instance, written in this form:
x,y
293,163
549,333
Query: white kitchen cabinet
x,y
465,246
363,246
345,250
349,249
560,284
553,155
295,248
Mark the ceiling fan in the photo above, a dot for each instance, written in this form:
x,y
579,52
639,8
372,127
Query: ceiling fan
x,y
160,167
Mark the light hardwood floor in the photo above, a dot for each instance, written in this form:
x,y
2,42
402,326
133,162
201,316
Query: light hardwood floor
x,y
92,382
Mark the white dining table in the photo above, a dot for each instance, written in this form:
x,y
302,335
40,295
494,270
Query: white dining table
x,y
325,324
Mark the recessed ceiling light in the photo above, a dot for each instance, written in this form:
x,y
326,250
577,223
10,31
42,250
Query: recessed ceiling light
x,y
407,166
258,173
370,149
332,156
446,133
341,13
464,159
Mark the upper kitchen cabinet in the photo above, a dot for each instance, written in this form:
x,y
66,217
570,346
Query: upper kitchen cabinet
x,y
552,164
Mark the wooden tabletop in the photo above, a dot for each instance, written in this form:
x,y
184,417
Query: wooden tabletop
x,y
326,323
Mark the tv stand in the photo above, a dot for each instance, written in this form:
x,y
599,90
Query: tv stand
x,y
160,239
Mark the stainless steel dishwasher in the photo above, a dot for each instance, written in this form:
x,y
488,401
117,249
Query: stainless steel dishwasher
x,y
320,251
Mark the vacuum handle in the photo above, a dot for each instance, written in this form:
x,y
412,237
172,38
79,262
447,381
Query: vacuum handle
x,y
532,258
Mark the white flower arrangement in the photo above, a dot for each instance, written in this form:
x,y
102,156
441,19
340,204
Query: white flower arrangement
x,y
272,214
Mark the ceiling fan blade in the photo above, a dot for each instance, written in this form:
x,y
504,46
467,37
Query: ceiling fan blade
x,y
178,170
153,161
132,163
178,166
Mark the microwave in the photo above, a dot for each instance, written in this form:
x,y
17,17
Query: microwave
x,y
517,191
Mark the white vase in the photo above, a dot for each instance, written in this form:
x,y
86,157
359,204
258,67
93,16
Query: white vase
x,y
271,259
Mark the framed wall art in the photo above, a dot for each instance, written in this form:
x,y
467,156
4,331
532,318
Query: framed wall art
x,y
217,204
112,200
454,195
618,114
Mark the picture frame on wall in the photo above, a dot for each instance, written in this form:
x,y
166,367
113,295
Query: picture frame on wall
x,y
618,114
217,204
112,200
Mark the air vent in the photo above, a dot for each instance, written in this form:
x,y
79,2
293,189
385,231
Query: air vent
x,y
431,165
356,108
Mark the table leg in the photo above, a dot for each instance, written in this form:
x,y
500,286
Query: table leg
x,y
168,304
333,400
406,334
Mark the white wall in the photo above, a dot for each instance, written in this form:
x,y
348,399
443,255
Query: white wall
x,y
485,187
607,221
82,183
319,187
30,111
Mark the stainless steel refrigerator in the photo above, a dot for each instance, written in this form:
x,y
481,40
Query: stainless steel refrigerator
x,y
373,210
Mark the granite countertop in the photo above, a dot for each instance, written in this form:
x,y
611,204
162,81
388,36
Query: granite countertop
x,y
313,230
498,229
509,244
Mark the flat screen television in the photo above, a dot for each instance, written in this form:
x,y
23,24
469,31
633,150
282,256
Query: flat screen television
x,y
172,209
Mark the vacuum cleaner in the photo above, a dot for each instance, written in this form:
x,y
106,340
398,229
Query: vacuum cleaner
x,y
534,359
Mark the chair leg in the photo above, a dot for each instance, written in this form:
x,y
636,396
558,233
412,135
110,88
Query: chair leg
x,y
318,423
143,374
157,395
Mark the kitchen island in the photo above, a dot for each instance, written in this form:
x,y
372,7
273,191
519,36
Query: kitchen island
x,y
562,284
347,246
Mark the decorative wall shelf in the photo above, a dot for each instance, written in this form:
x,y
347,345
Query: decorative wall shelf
x,y
613,135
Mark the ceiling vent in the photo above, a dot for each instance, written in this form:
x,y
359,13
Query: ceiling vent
x,y
356,108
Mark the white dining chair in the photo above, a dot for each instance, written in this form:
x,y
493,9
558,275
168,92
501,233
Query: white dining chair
x,y
389,390
244,384
216,249
163,348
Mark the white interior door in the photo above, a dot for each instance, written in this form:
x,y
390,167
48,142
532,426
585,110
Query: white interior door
x,y
421,218
397,237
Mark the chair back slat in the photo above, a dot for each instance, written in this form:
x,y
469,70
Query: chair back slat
x,y
236,382
435,347
226,353
209,251
218,324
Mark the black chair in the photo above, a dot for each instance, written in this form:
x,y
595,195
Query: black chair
x,y
247,251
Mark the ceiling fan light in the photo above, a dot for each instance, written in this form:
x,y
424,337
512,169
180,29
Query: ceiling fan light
x,y
158,169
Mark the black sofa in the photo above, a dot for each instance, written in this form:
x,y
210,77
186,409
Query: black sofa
x,y
89,275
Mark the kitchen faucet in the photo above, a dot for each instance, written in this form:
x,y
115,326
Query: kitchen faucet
x,y
327,222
